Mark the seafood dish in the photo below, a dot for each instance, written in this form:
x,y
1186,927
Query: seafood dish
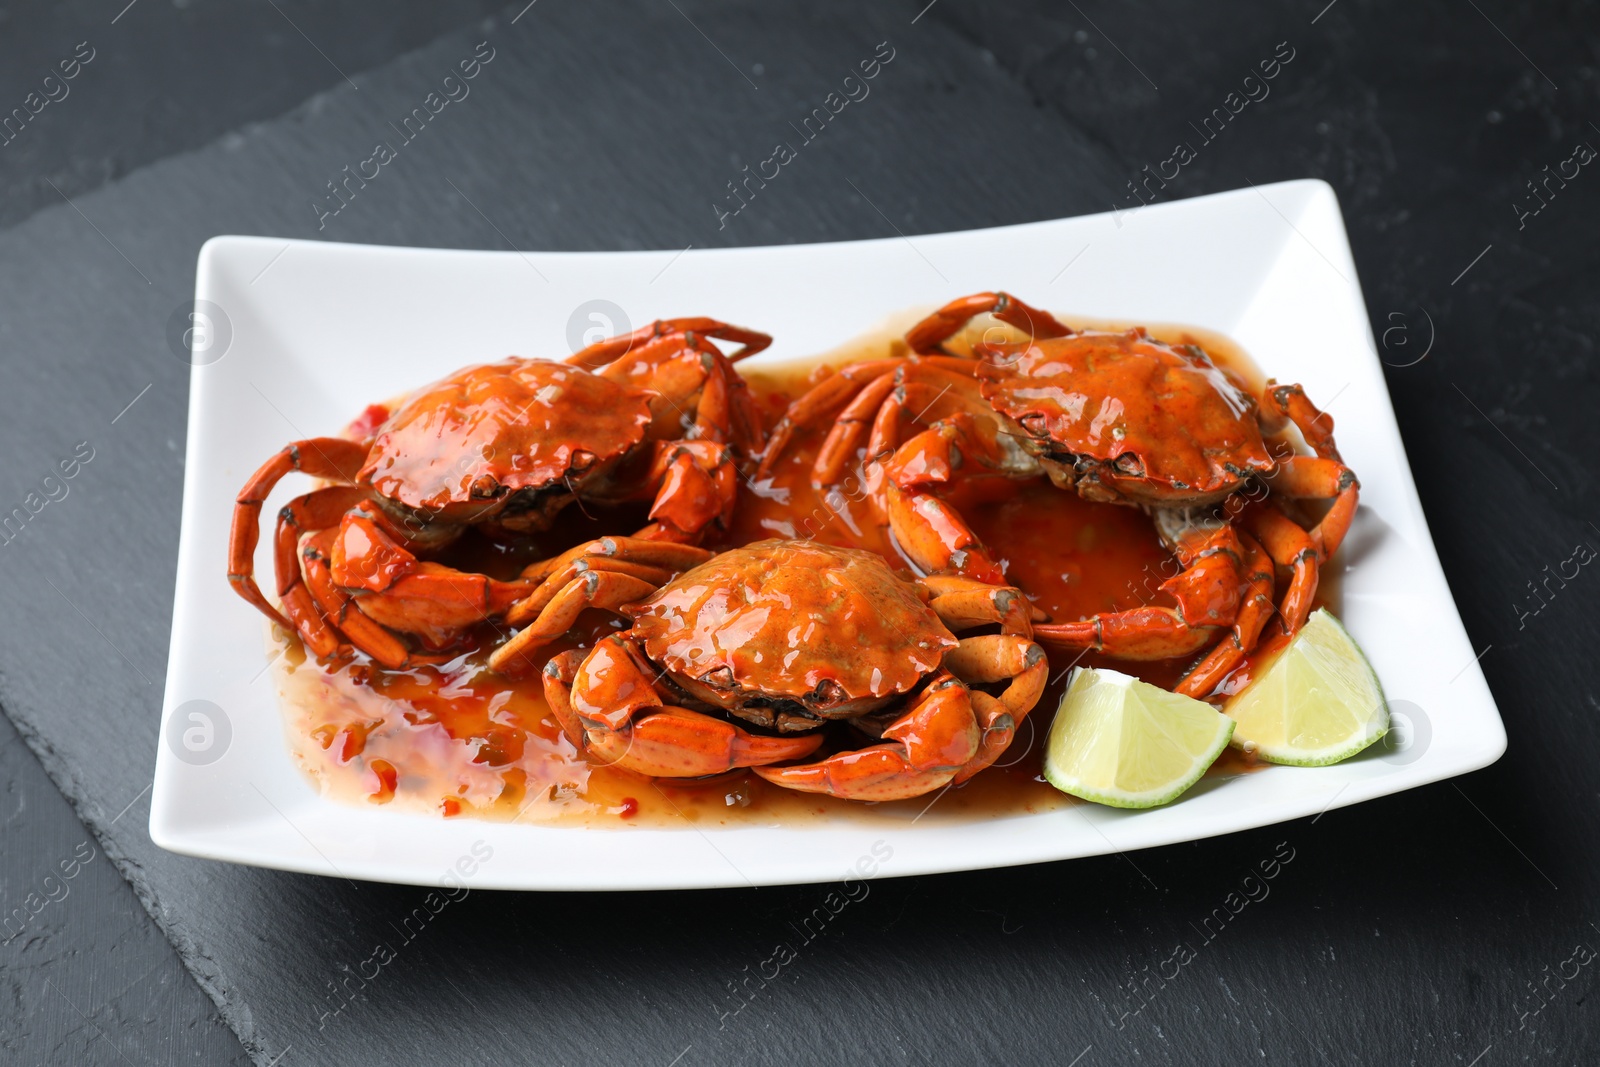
x,y
636,579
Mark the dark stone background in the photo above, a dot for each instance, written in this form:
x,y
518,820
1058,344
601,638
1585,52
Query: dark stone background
x,y
1426,928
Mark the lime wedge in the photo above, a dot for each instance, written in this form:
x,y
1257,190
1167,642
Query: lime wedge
x,y
1316,703
1126,743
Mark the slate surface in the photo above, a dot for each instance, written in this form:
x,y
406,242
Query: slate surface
x,y
1437,927
85,975
165,77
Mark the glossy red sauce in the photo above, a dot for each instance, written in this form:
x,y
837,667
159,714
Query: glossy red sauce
x,y
462,741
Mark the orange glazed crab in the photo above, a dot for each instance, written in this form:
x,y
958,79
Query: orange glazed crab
x,y
792,635
1116,417
502,446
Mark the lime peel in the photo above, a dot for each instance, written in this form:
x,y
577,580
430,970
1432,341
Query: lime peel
x,y
1317,702
1125,743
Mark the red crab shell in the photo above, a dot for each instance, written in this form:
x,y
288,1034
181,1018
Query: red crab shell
x,y
788,633
1126,418
489,431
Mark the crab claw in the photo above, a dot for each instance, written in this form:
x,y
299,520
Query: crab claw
x,y
881,772
639,734
673,742
1143,633
926,748
936,538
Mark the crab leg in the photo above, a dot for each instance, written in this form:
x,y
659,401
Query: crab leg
x,y
342,612
1208,590
1290,402
1328,534
725,411
367,552
931,333
699,485
926,747
612,682
1308,478
1292,547
368,559
321,509
665,741
604,352
1212,581
1136,634
320,457
949,733
882,441
436,603
1325,477
931,533
668,554
1253,615
935,537
528,608
686,374
816,403
826,396
752,341
840,445
608,590
433,585
401,592
674,742
577,573
996,658
918,385
999,730
885,437
964,603
877,772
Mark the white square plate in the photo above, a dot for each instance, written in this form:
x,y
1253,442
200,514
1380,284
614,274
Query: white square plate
x,y
319,330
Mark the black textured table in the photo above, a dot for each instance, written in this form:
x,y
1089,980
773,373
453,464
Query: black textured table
x,y
1450,925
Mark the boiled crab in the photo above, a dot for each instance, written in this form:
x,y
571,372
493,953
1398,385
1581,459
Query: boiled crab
x,y
793,635
501,446
1116,417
